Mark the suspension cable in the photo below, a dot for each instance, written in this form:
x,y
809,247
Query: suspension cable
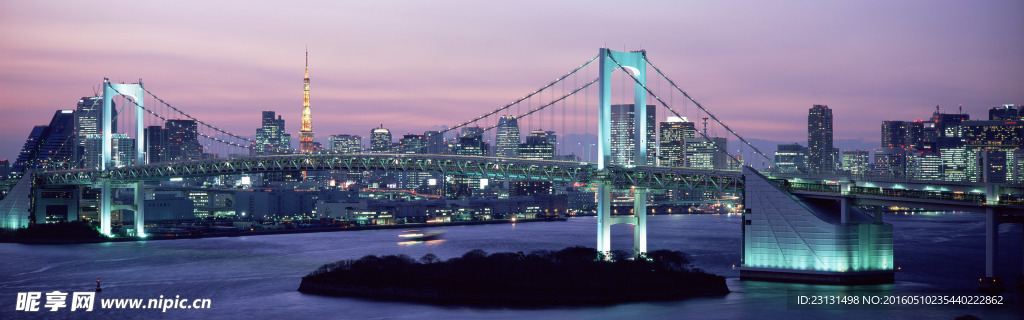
x,y
706,138
197,120
770,160
557,80
197,131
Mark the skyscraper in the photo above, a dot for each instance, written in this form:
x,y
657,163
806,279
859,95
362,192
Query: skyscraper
x,y
674,131
306,144
155,144
271,137
622,135
508,137
819,140
380,140
182,140
88,119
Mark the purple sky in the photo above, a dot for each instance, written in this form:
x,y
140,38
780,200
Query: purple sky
x,y
412,65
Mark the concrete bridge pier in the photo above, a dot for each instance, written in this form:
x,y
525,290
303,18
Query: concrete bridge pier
x,y
991,283
640,226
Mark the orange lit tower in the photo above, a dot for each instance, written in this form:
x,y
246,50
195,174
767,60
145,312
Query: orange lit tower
x,y
306,144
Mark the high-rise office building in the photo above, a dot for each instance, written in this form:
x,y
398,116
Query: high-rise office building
x,y
380,140
622,134
345,143
903,134
890,162
819,140
943,129
271,137
1007,112
306,144
706,153
553,140
412,143
182,140
122,153
472,143
50,147
791,157
435,142
855,162
673,133
507,136
155,144
924,165
89,120
537,147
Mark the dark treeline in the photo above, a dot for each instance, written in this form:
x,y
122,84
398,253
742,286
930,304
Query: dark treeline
x,y
74,230
565,277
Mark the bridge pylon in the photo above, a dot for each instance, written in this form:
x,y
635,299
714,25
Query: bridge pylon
x,y
136,92
634,62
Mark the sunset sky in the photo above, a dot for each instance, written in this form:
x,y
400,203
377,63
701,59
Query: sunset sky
x,y
759,65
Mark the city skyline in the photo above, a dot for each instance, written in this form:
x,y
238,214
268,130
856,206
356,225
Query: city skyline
x,y
757,70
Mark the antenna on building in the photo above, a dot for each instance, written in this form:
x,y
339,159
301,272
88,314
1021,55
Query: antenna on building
x,y
961,108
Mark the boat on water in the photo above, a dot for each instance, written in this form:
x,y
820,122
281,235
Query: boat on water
x,y
416,235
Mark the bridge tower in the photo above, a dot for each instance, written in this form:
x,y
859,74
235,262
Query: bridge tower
x,y
136,92
634,62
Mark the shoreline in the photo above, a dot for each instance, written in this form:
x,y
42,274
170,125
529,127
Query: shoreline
x,y
43,241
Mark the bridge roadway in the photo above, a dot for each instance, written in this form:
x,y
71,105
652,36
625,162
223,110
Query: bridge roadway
x,y
624,177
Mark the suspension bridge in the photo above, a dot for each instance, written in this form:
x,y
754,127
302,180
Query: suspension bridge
x,y
807,230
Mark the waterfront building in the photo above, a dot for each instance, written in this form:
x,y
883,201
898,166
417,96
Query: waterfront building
x,y
855,162
791,158
622,135
819,140
673,133
507,136
958,164
272,138
345,143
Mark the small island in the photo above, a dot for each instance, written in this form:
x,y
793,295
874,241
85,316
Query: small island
x,y
571,276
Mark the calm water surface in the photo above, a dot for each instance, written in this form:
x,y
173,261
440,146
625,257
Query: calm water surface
x,y
256,276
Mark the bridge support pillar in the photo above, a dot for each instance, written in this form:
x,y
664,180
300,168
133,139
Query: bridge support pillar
x,y
140,210
844,210
105,208
604,220
991,283
640,227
